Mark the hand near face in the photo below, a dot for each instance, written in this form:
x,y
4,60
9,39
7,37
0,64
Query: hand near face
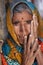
x,y
39,56
31,47
34,27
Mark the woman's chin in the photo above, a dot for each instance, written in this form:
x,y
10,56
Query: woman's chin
x,y
21,42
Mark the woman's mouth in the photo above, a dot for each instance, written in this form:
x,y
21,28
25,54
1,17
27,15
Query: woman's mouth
x,y
22,39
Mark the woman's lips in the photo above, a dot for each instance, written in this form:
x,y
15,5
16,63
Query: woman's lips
x,y
22,39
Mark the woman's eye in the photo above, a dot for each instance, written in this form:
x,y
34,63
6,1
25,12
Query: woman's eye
x,y
28,22
16,23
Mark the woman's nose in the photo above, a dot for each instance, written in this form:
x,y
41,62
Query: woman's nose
x,y
23,30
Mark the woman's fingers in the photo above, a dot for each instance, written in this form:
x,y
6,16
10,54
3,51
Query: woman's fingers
x,y
32,27
34,47
29,44
35,54
35,19
32,58
35,24
25,42
32,31
30,40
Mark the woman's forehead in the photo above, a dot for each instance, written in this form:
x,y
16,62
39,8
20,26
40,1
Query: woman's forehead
x,y
23,15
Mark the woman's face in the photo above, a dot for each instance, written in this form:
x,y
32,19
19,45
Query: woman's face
x,y
22,25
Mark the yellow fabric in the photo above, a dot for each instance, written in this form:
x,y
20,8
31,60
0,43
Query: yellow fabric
x,y
10,26
40,27
14,54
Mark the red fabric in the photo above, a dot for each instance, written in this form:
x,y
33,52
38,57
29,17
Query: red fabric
x,y
3,60
41,47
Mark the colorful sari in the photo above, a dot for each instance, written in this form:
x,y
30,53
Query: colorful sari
x,y
11,49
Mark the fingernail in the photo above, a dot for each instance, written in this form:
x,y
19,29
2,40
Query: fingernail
x,y
32,21
25,36
39,46
30,35
36,39
34,15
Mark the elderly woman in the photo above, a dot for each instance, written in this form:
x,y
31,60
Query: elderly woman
x,y
21,46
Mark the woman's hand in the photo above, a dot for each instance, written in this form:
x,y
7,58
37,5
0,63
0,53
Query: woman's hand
x,y
31,48
39,57
30,54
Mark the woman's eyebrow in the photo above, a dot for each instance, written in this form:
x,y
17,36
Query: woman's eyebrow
x,y
28,21
15,22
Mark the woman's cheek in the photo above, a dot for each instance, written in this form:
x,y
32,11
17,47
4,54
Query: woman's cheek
x,y
16,29
28,29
